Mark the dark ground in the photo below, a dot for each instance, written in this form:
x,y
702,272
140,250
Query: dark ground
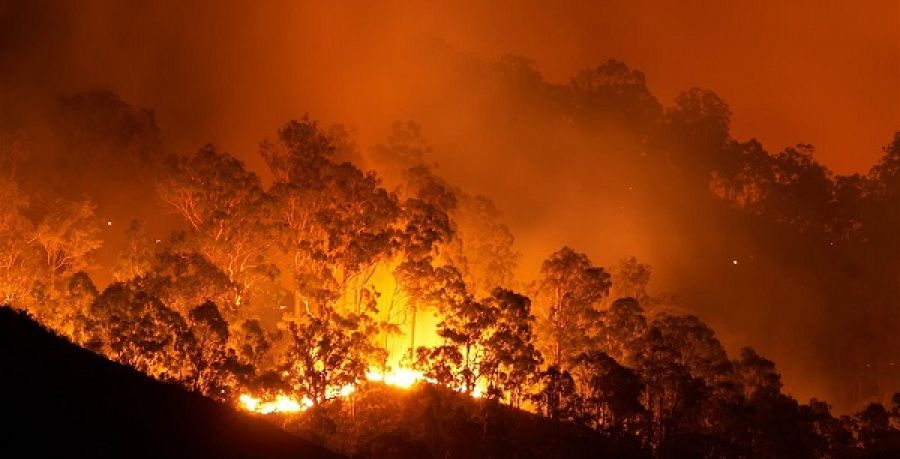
x,y
61,400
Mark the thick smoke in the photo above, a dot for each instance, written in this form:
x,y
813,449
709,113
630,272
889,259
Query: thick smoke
x,y
230,75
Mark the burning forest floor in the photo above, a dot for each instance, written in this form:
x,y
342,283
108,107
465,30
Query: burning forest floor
x,y
66,400
91,407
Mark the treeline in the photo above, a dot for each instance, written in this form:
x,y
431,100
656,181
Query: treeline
x,y
825,245
344,260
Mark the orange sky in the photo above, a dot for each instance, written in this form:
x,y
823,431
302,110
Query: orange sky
x,y
820,72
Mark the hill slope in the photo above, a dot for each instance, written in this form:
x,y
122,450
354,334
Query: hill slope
x,y
60,398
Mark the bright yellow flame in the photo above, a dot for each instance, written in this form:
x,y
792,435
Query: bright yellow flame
x,y
281,404
347,390
248,402
403,378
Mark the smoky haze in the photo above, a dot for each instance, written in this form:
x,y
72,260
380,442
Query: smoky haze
x,y
230,74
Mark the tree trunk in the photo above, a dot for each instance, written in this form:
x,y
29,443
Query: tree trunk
x,y
412,332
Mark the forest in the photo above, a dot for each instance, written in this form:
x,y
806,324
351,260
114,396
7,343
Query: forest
x,y
340,285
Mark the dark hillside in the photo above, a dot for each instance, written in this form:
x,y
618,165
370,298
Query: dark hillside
x,y
61,399
430,421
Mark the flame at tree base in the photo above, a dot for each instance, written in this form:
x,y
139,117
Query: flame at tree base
x,y
403,378
281,404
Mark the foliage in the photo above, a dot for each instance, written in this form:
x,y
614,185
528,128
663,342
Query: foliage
x,y
659,381
135,328
225,206
327,353
566,298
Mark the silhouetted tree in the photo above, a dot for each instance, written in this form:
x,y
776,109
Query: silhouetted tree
x,y
556,396
335,222
217,370
226,208
66,235
326,353
250,343
565,298
19,268
136,329
183,279
612,393
697,346
138,256
629,279
511,361
622,326
612,93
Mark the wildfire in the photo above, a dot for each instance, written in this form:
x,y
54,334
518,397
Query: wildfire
x,y
403,378
281,404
